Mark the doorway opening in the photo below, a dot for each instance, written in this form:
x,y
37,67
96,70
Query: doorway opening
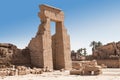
x,y
52,27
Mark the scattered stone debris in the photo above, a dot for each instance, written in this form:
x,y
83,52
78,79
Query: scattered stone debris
x,y
103,66
62,70
86,68
19,70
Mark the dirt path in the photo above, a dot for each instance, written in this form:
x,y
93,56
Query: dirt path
x,y
108,74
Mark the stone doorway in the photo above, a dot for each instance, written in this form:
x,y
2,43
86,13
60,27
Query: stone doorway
x,y
52,51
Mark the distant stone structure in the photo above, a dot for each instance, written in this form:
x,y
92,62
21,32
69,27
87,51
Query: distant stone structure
x,y
47,50
110,50
108,54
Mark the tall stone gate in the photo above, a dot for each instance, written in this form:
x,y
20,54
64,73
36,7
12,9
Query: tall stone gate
x,y
52,51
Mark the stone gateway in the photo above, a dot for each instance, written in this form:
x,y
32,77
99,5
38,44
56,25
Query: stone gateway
x,y
51,51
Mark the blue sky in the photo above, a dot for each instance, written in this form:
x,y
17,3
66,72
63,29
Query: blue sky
x,y
85,20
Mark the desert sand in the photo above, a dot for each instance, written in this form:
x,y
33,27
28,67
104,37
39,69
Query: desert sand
x,y
108,74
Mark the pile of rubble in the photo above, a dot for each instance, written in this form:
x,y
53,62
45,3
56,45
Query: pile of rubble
x,y
21,70
85,68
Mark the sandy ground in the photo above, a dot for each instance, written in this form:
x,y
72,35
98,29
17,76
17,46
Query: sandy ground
x,y
108,74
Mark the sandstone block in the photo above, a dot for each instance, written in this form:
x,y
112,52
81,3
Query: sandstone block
x,y
75,72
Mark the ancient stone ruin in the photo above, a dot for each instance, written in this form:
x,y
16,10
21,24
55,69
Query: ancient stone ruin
x,y
10,54
110,50
108,55
51,51
85,68
45,51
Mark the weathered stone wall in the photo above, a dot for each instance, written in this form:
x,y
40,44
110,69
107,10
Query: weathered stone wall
x,y
6,52
107,51
108,54
21,57
110,63
10,54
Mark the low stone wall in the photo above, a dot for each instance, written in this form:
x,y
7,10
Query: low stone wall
x,y
110,63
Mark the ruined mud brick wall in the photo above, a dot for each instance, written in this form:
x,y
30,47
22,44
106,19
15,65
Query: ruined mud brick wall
x,y
21,57
10,54
108,54
6,52
51,51
107,51
110,63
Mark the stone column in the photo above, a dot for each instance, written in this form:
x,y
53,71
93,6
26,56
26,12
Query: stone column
x,y
61,41
40,46
47,45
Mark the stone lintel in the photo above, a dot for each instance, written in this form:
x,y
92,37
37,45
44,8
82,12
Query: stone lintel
x,y
54,14
46,7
